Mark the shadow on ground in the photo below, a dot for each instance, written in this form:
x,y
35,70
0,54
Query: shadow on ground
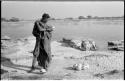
x,y
8,63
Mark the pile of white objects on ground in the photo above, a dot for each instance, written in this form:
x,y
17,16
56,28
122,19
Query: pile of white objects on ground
x,y
83,45
80,66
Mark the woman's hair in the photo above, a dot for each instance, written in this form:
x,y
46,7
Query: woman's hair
x,y
45,15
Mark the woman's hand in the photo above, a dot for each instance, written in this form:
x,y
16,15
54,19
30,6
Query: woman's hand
x,y
50,28
53,27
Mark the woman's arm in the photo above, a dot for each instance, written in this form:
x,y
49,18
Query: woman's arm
x,y
39,27
35,31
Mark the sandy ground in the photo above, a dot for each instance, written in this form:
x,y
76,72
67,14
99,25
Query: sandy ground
x,y
17,58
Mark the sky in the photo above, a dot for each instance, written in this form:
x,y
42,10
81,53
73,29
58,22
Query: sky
x,y
34,10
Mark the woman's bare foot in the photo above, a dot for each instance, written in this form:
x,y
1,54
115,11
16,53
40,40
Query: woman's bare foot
x,y
43,70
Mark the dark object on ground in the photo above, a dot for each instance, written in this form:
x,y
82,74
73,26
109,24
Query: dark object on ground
x,y
112,72
3,71
116,45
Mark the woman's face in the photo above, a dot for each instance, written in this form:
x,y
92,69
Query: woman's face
x,y
45,20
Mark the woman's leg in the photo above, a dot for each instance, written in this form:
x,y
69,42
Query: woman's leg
x,y
34,62
35,55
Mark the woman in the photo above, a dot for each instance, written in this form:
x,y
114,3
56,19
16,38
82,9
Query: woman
x,y
42,51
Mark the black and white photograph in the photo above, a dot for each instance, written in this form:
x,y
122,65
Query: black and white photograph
x,y
62,40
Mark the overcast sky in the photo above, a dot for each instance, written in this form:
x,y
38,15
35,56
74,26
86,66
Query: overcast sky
x,y
33,10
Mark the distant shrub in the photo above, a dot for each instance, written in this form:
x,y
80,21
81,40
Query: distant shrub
x,y
3,19
70,18
13,19
89,17
52,18
81,17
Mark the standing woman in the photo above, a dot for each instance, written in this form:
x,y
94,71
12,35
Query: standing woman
x,y
42,51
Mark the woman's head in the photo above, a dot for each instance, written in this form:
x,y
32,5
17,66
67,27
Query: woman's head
x,y
45,17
